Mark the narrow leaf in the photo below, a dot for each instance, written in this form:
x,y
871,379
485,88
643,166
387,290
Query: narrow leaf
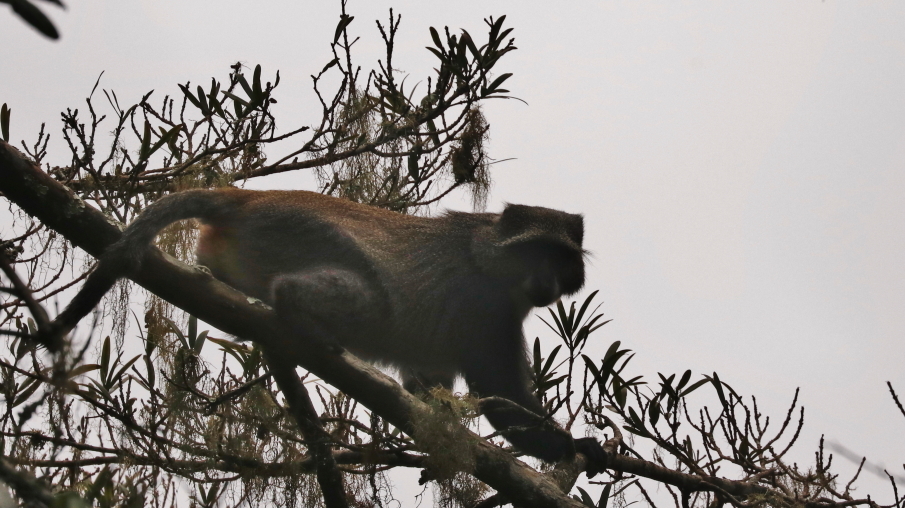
x,y
685,377
436,53
537,357
199,341
471,46
621,396
612,349
26,393
550,358
594,371
605,495
256,82
584,306
202,102
654,411
121,371
248,91
145,142
719,390
175,329
190,96
695,386
436,37
496,84
34,17
333,62
4,122
82,369
193,329
105,358
169,137
235,98
585,498
344,20
559,324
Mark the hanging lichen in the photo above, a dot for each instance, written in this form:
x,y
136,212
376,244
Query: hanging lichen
x,y
469,160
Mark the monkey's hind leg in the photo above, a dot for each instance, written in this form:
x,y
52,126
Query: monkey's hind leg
x,y
328,305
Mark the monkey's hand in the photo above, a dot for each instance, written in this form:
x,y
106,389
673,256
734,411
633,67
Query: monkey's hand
x,y
593,450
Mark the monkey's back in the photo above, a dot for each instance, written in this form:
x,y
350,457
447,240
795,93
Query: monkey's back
x,y
419,268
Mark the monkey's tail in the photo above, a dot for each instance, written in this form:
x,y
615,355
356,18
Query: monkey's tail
x,y
125,256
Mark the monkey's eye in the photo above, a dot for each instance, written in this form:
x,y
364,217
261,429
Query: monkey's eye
x,y
533,255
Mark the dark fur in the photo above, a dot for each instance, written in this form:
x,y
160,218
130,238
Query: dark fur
x,y
435,297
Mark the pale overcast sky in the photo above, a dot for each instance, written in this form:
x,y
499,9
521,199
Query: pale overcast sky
x,y
741,165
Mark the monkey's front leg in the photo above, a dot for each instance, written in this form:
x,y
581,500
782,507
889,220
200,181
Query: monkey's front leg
x,y
330,305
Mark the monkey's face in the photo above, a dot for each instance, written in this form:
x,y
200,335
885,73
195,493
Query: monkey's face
x,y
546,271
536,251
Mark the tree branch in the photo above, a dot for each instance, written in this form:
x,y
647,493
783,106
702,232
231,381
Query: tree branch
x,y
301,408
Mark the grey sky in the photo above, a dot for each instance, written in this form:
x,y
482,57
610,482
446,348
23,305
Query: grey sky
x,y
741,165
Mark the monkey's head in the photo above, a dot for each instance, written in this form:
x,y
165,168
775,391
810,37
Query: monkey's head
x,y
536,250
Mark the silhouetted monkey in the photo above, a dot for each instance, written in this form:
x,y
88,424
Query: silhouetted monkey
x,y
435,297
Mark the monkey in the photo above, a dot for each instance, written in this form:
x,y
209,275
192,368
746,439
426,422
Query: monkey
x,y
434,297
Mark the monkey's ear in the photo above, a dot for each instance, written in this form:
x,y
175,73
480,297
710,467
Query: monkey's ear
x,y
521,225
